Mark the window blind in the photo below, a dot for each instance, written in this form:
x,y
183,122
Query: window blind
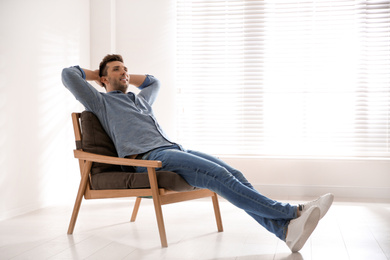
x,y
284,78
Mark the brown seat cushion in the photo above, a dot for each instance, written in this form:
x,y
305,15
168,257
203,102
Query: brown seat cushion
x,y
135,180
106,176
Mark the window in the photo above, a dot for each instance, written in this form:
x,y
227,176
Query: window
x,y
284,78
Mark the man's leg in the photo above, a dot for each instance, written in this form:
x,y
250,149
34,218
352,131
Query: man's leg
x,y
204,173
236,173
270,224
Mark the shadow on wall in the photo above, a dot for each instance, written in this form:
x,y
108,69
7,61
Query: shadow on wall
x,y
4,152
39,38
55,135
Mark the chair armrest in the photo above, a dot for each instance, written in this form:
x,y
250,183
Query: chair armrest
x,y
79,154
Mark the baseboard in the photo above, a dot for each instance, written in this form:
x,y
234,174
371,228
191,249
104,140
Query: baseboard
x,y
368,194
279,192
19,211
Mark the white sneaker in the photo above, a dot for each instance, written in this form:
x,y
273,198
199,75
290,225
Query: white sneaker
x,y
300,229
324,202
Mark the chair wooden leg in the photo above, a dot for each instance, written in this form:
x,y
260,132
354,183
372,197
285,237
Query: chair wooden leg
x,y
217,212
160,222
135,209
157,206
80,194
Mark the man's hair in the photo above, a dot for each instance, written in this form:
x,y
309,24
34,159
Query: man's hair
x,y
107,59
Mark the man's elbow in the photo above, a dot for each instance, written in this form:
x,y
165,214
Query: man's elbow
x,y
65,75
155,82
70,76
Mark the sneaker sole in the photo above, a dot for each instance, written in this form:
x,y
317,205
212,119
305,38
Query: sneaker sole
x,y
308,228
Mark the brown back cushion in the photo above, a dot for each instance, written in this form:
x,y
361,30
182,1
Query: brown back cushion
x,y
106,176
96,140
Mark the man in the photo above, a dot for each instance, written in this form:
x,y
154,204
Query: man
x,y
129,121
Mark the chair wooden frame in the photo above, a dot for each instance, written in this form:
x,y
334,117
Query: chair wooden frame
x,y
160,196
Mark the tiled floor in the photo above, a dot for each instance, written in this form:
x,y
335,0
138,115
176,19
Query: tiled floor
x,y
350,230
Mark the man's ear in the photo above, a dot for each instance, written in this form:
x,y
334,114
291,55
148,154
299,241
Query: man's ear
x,y
104,80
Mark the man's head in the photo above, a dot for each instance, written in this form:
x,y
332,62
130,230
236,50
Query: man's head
x,y
113,73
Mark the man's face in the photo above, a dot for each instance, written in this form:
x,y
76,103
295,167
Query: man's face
x,y
117,77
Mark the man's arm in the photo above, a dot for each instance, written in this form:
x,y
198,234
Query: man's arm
x,y
149,89
137,80
92,75
74,78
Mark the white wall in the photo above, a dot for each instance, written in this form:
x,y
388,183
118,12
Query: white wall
x,y
38,39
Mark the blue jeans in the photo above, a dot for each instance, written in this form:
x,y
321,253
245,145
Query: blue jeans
x,y
205,171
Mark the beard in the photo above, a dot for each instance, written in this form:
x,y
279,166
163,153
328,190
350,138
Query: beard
x,y
118,85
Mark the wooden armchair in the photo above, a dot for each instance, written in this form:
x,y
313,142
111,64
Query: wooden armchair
x,y
102,177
